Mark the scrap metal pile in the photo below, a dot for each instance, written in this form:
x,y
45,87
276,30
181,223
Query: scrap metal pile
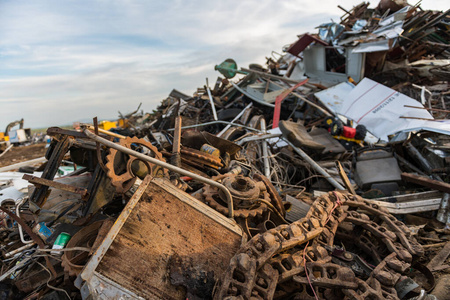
x,y
322,175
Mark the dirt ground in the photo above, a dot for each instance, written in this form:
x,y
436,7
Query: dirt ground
x,y
22,153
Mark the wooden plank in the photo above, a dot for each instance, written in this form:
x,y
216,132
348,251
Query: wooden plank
x,y
168,231
427,182
440,258
409,207
412,197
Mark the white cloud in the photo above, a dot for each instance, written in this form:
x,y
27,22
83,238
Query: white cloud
x,y
66,60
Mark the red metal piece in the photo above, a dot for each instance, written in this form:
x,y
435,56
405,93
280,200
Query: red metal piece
x,y
279,99
349,132
303,42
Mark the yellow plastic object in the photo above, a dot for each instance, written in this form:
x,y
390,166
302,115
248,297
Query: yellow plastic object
x,y
210,149
107,125
123,123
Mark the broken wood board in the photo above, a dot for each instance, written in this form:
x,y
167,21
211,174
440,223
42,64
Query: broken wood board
x,y
409,207
170,237
437,263
427,182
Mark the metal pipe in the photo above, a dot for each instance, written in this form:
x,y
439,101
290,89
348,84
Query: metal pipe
x,y
18,205
110,133
232,121
216,122
316,166
264,149
267,136
27,246
165,165
213,107
7,149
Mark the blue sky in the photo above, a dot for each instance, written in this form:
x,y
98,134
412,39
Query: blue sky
x,y
63,61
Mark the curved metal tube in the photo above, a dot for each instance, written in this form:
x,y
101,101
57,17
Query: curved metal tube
x,y
18,205
315,166
165,165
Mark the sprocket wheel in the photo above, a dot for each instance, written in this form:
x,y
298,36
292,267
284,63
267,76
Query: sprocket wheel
x,y
119,165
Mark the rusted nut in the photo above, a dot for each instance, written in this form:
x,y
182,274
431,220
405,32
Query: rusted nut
x,y
348,255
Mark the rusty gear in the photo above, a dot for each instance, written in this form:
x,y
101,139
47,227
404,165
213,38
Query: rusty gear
x,y
245,193
123,180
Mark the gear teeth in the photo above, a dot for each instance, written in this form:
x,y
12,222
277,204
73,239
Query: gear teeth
x,y
124,182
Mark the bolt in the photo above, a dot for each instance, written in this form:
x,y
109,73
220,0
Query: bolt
x,y
241,184
348,255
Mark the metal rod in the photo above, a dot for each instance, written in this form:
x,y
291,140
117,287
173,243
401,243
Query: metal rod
x,y
27,246
216,122
433,109
54,184
271,76
316,166
7,149
232,122
211,100
325,112
22,164
267,136
264,149
104,131
167,166
18,205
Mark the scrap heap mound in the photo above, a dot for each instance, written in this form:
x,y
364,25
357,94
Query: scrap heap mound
x,y
321,175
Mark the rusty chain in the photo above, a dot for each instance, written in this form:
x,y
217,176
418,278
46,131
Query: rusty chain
x,y
276,264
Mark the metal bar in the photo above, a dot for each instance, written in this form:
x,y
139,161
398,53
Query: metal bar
x,y
19,265
308,101
6,150
408,164
265,152
27,246
177,136
259,137
439,258
279,99
19,203
433,109
315,166
211,100
97,148
32,235
175,159
417,118
90,127
344,178
232,121
167,166
57,130
57,185
427,182
89,269
216,122
22,164
274,77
